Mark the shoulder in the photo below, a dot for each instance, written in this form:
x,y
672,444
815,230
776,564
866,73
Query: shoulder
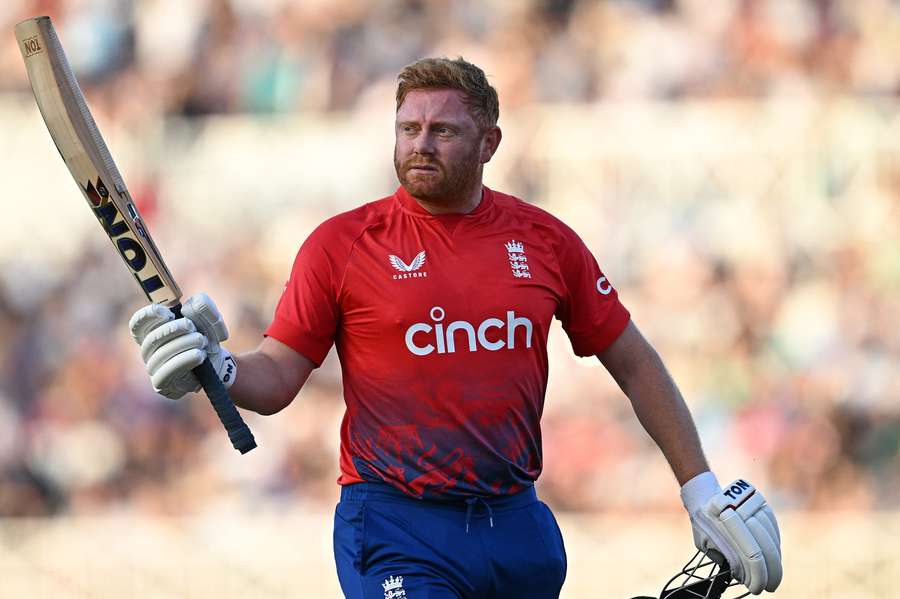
x,y
552,229
355,221
348,226
332,242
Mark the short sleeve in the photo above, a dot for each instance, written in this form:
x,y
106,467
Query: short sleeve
x,y
590,311
307,314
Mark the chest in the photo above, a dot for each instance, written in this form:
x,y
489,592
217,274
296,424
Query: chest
x,y
428,276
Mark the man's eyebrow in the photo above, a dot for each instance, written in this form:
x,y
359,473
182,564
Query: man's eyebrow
x,y
451,124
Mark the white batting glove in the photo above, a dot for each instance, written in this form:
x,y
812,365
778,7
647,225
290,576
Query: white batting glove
x,y
738,525
171,348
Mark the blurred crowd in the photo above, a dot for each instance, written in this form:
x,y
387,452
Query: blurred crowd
x,y
223,56
779,331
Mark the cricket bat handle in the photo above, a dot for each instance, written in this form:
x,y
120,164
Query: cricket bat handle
x,y
238,431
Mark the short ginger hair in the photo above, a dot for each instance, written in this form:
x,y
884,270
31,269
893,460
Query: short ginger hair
x,y
444,73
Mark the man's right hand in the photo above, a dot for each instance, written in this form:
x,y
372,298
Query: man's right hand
x,y
172,347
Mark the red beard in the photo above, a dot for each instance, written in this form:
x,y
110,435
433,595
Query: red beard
x,y
442,185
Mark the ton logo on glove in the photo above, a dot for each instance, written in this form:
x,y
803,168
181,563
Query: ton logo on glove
x,y
737,489
737,526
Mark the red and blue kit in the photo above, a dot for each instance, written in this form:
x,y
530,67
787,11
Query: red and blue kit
x,y
440,324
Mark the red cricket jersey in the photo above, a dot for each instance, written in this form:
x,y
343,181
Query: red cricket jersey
x,y
441,326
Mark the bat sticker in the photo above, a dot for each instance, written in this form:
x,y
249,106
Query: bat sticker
x,y
32,46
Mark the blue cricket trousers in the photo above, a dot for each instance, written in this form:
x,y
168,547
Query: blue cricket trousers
x,y
388,545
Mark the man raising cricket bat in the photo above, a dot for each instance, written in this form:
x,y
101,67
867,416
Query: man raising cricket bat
x,y
439,299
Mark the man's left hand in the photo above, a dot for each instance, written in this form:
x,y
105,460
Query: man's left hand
x,y
739,525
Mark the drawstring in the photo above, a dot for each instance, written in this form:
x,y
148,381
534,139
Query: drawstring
x,y
470,507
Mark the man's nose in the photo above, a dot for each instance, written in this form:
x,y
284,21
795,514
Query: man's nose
x,y
424,143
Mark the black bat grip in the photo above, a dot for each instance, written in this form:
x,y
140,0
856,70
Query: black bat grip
x,y
238,431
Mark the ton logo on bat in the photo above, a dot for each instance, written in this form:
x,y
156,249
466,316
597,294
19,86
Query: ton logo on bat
x,y
131,251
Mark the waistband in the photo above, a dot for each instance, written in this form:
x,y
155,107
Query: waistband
x,y
369,491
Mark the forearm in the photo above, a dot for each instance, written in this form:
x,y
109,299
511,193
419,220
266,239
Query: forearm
x,y
261,385
662,412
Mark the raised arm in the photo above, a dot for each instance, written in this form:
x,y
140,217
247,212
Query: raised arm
x,y
269,377
264,381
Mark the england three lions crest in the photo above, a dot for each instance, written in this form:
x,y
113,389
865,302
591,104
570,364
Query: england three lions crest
x,y
518,261
393,588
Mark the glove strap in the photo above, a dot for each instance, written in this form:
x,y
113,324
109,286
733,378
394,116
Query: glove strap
x,y
698,490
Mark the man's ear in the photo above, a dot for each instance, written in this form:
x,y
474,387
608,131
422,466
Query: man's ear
x,y
489,143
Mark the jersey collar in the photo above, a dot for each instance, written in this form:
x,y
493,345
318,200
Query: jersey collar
x,y
411,206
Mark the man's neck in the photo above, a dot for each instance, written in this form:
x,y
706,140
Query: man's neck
x,y
465,205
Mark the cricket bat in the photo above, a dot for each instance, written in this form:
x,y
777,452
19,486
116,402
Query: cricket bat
x,y
78,141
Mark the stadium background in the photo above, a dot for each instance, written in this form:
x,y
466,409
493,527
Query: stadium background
x,y
734,165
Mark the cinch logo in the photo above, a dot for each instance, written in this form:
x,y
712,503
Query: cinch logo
x,y
603,286
436,337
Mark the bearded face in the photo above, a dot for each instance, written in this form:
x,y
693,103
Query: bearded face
x,y
437,180
439,149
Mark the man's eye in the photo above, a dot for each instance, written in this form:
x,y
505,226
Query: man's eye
x,y
444,131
